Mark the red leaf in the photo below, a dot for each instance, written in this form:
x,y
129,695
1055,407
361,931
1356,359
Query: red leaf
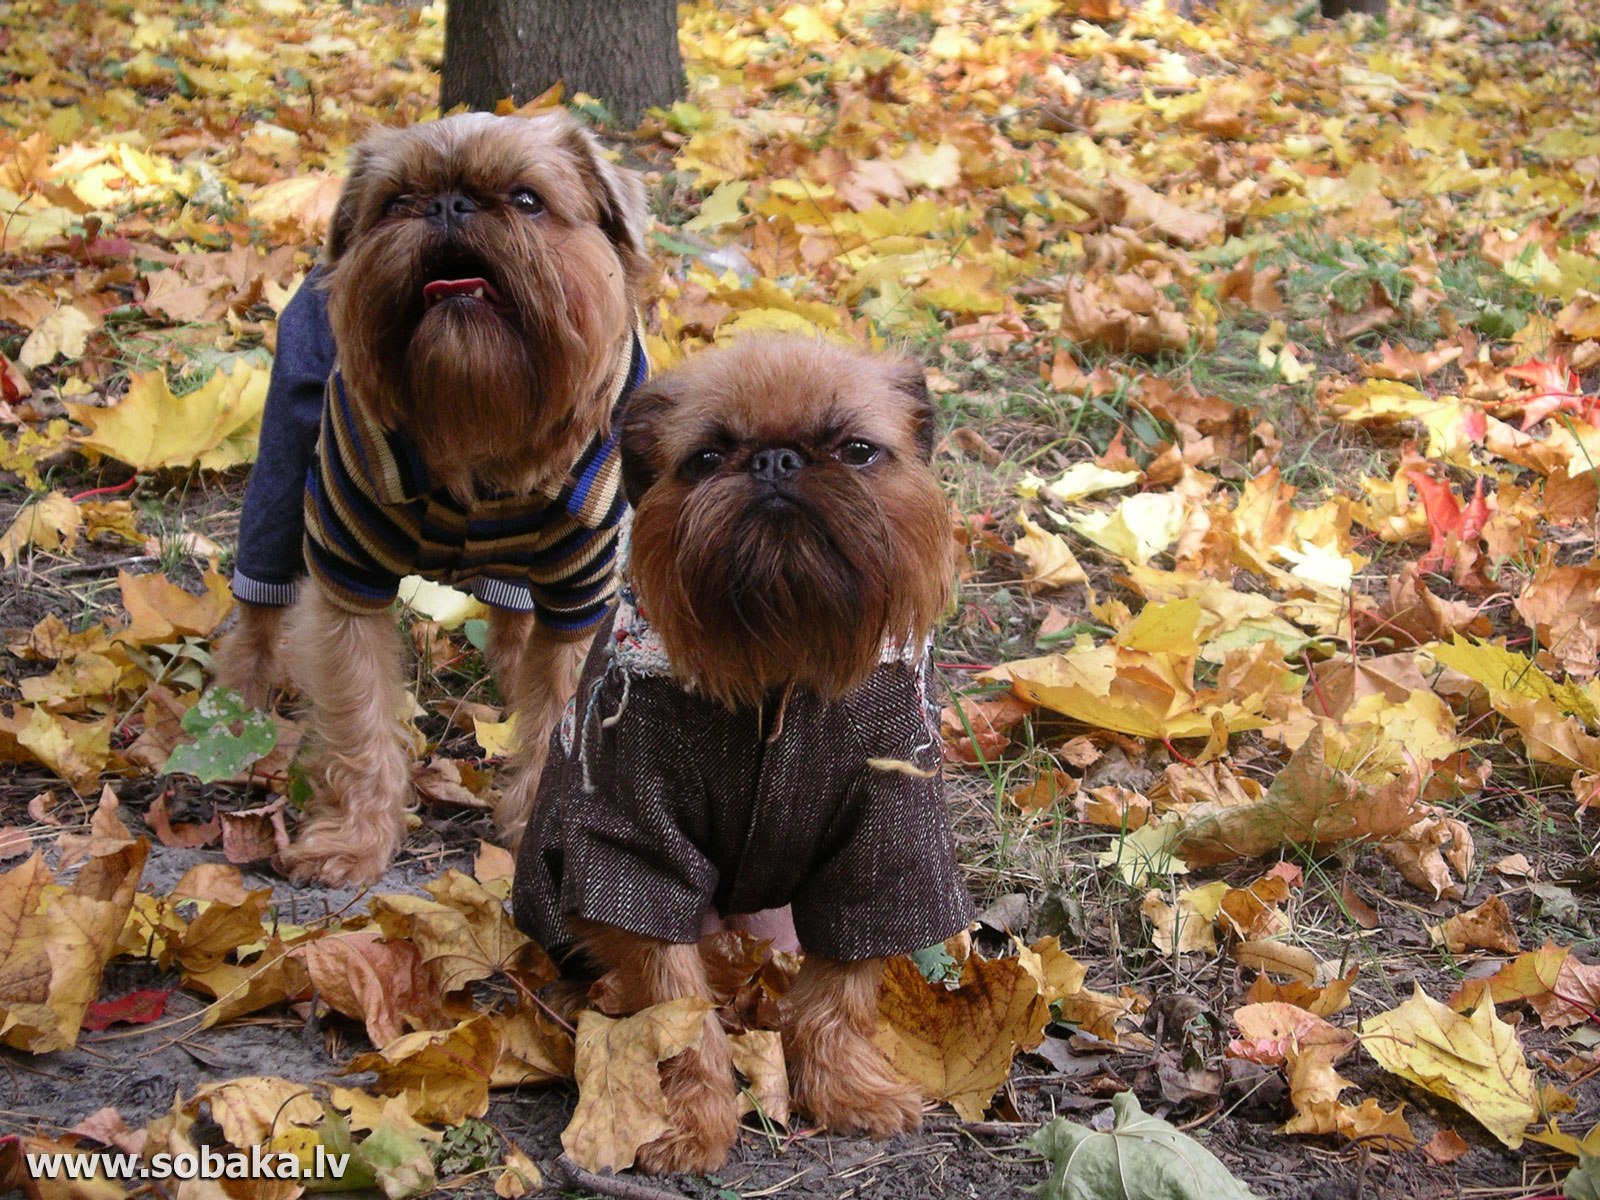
x,y
1552,376
136,1008
1559,390
1475,516
1439,503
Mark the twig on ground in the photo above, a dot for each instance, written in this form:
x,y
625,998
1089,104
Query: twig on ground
x,y
568,1173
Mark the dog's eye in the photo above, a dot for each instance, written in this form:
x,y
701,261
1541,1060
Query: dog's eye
x,y
701,463
525,199
857,453
394,204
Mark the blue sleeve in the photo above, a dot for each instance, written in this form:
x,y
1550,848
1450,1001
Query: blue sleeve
x,y
272,526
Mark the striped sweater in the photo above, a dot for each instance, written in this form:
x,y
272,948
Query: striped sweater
x,y
372,517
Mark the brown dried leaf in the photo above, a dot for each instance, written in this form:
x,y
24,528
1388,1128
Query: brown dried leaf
x,y
957,1045
1487,927
620,1103
381,983
55,944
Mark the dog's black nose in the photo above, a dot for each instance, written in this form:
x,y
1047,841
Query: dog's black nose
x,y
774,464
450,208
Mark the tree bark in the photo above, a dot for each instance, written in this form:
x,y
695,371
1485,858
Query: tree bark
x,y
624,52
1338,8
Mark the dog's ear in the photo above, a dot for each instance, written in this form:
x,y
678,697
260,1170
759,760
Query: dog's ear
x,y
909,377
347,212
640,423
624,210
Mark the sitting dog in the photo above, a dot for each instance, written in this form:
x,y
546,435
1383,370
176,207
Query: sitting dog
x,y
481,280
755,728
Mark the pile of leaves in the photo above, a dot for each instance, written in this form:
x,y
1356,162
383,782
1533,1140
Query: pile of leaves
x,y
1268,350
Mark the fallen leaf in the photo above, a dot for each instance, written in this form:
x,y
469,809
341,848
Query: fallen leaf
x,y
957,1045
444,1074
216,426
1487,927
620,1103
1475,1062
1141,1157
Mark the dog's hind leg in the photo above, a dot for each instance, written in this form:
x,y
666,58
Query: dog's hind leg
x,y
540,685
702,1103
836,1073
349,667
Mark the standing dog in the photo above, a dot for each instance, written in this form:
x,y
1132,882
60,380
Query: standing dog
x,y
755,729
482,277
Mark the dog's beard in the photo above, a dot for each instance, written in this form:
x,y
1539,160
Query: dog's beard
x,y
474,388
750,597
496,395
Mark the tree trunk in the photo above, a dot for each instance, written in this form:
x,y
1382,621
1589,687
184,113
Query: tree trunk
x,y
624,52
1338,8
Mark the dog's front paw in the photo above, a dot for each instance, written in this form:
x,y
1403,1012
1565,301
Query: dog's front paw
x,y
248,659
327,851
703,1107
858,1094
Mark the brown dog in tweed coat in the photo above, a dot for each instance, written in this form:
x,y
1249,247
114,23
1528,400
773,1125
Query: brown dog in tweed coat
x,y
755,728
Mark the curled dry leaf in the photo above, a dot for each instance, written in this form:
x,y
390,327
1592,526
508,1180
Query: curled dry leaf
x,y
183,835
1051,563
254,834
1311,802
1487,927
371,979
1320,1001
980,730
758,1056
1427,851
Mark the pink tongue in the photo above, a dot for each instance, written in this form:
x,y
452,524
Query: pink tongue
x,y
443,289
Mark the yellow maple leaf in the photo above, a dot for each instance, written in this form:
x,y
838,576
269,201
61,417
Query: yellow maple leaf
x,y
957,1045
443,1073
721,207
215,426
1475,1062
159,610
65,332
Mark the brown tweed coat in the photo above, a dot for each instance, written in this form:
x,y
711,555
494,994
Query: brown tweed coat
x,y
658,804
